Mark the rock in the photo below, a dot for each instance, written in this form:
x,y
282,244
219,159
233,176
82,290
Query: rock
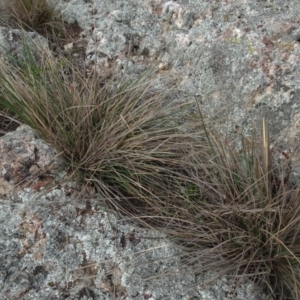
x,y
12,42
240,58
57,243
24,158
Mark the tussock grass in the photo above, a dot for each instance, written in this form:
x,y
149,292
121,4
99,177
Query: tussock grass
x,y
119,136
32,14
42,17
229,211
245,221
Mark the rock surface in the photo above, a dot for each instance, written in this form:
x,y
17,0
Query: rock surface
x,y
240,59
57,243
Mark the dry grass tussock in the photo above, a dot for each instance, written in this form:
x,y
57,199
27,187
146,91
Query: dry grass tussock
x,y
243,218
230,212
118,135
32,14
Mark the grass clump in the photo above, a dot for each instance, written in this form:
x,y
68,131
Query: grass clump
x,y
41,17
33,14
246,220
118,135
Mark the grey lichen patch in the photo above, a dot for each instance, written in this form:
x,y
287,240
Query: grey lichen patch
x,y
59,243
57,239
12,41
